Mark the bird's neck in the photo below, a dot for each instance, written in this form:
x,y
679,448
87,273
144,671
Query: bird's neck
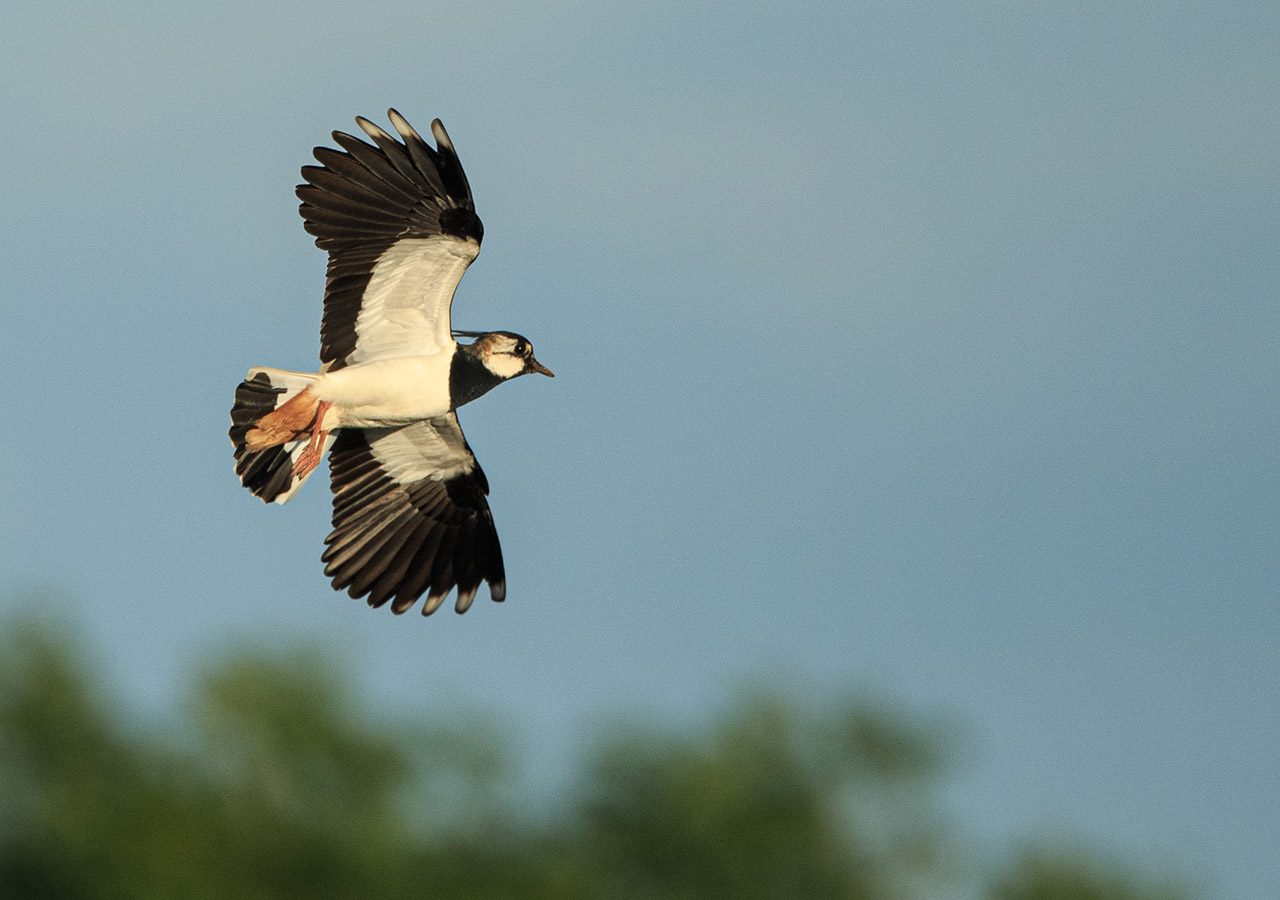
x,y
469,377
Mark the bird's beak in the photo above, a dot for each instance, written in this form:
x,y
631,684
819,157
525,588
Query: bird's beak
x,y
534,366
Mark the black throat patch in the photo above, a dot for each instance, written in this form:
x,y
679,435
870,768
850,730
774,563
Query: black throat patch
x,y
469,378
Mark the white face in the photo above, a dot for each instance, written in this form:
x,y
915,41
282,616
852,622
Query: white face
x,y
505,356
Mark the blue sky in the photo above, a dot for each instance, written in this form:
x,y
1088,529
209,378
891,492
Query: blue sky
x,y
928,352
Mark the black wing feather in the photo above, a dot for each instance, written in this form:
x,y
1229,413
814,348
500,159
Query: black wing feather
x,y
364,198
395,540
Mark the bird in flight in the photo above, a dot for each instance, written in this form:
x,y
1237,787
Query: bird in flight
x,y
409,510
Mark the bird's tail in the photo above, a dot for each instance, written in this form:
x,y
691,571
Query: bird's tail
x,y
270,425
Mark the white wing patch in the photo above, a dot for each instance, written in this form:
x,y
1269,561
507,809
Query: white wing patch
x,y
434,449
405,307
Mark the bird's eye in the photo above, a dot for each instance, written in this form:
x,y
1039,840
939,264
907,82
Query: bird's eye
x,y
521,348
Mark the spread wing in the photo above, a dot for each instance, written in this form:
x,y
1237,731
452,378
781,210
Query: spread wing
x,y
410,517
398,221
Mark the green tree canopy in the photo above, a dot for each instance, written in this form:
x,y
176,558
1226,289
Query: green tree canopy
x,y
276,781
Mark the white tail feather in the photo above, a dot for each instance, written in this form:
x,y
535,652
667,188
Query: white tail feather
x,y
264,472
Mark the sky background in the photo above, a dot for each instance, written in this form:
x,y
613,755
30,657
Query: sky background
x,y
927,352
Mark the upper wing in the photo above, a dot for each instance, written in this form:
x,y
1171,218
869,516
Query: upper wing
x,y
410,517
400,226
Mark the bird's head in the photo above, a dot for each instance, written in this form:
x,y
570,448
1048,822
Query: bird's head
x,y
505,354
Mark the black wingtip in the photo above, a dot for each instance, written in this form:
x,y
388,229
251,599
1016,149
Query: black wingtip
x,y
441,136
374,130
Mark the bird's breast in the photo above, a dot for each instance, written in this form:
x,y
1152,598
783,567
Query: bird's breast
x,y
387,391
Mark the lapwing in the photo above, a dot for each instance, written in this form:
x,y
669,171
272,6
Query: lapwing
x,y
410,516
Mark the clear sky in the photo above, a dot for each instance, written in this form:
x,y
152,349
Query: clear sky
x,y
928,351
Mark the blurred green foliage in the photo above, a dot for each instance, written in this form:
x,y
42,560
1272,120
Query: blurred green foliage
x,y
276,781
1062,875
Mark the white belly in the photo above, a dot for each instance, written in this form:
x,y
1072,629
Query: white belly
x,y
386,391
